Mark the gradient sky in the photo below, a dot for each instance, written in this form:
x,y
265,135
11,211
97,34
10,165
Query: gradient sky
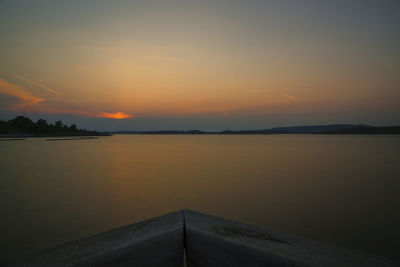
x,y
210,64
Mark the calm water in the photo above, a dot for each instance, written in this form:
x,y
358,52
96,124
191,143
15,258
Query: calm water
x,y
339,189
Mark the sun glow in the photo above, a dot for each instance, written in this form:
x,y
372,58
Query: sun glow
x,y
242,64
117,115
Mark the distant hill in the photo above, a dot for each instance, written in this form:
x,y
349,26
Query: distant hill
x,y
313,129
368,130
23,126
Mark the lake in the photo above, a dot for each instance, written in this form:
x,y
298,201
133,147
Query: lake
x,y
342,189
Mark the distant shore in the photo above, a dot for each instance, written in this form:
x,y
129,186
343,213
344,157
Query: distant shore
x,y
23,127
315,129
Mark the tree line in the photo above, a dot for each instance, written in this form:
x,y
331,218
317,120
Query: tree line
x,y
22,125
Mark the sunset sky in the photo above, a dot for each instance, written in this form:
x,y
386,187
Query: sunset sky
x,y
210,64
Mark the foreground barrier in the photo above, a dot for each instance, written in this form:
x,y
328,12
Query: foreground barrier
x,y
190,238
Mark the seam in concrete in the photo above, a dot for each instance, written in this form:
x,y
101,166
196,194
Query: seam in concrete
x,y
185,255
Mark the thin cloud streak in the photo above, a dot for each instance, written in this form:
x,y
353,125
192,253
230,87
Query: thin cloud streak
x,y
292,98
18,92
35,83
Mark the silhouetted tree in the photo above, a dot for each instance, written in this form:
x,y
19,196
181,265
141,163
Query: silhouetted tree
x,y
21,122
73,128
42,123
3,127
58,125
42,126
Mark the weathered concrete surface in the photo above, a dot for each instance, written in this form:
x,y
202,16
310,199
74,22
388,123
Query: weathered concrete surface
x,y
213,241
154,242
208,241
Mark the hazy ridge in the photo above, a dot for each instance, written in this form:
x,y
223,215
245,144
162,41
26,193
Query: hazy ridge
x,y
310,129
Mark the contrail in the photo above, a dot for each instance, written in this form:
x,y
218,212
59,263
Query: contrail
x,y
36,84
291,98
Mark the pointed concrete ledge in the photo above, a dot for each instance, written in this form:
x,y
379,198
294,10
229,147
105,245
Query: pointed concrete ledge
x,y
207,241
154,242
213,241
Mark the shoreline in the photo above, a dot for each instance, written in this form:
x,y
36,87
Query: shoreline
x,y
23,136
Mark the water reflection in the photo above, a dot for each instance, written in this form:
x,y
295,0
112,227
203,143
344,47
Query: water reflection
x,y
340,189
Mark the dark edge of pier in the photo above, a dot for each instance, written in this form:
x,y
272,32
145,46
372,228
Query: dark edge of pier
x,y
190,238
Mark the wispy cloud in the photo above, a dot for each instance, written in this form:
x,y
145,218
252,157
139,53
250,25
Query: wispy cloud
x,y
19,92
35,83
292,98
33,103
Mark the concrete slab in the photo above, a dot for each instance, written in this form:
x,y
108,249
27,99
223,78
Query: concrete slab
x,y
196,239
213,241
154,242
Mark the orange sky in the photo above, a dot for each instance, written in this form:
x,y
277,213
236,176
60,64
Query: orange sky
x,y
130,60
